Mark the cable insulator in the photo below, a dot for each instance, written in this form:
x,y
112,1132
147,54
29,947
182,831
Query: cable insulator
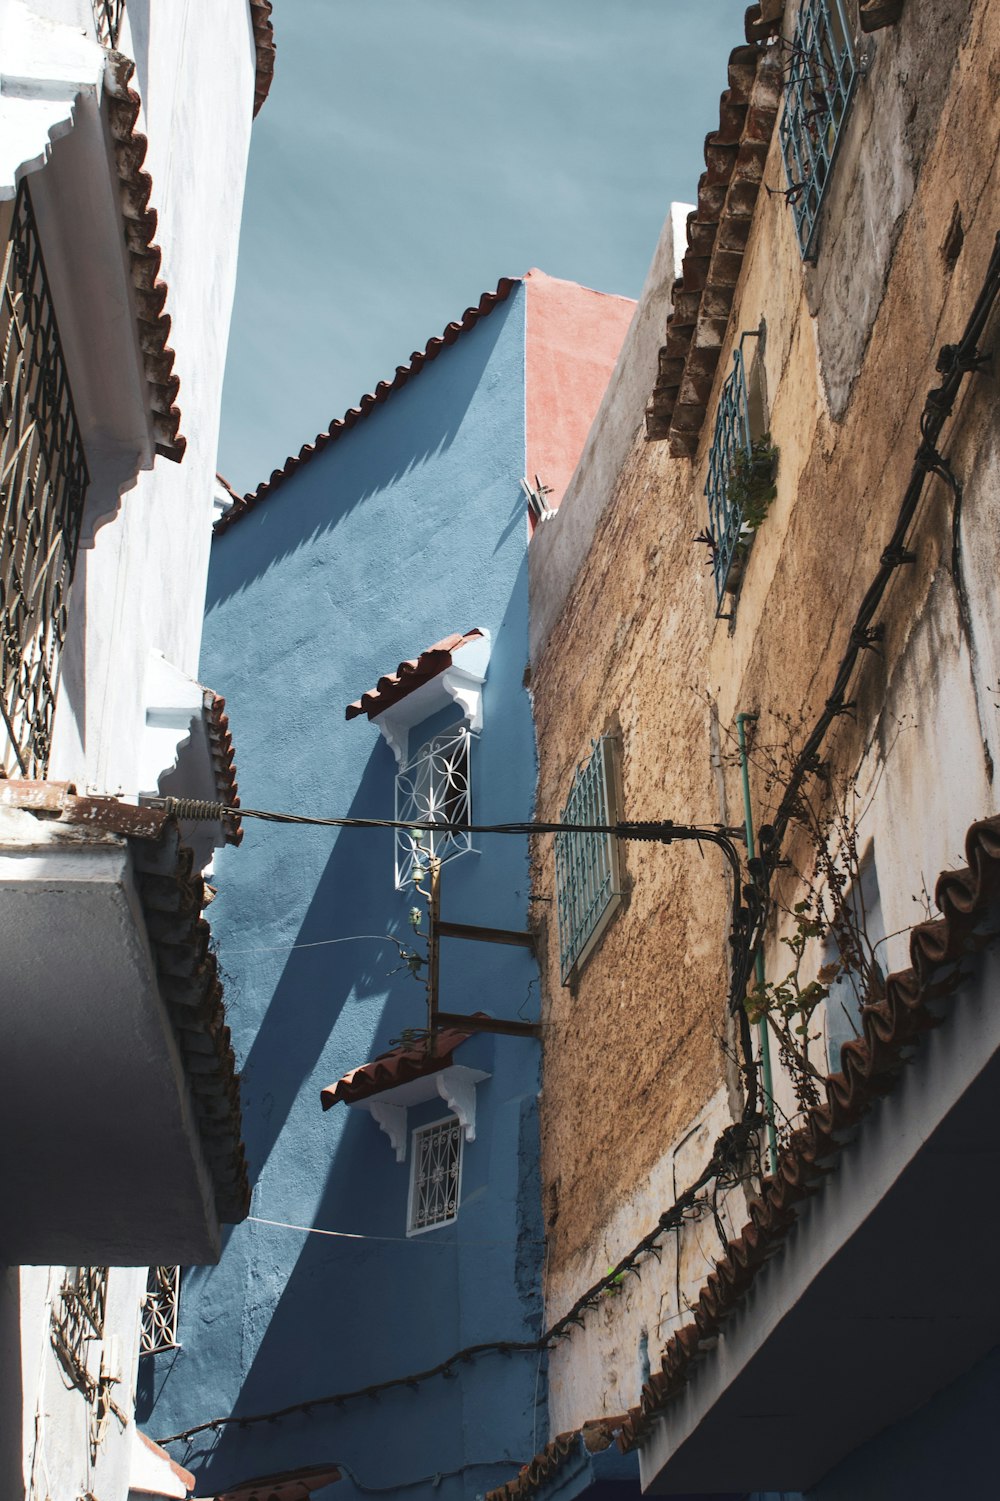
x,y
194,808
652,831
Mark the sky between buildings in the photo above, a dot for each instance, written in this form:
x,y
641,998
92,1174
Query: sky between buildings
x,y
412,152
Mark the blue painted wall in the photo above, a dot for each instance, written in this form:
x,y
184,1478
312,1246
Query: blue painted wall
x,y
408,528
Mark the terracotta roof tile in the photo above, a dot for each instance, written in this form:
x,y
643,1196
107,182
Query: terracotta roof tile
x,y
590,1439
173,895
717,231
224,761
398,1066
135,187
263,41
418,360
409,675
916,1000
290,1485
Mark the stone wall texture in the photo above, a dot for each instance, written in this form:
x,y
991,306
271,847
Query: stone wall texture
x,y
638,1049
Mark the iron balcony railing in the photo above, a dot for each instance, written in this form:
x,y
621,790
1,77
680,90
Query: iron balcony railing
x,y
588,887
108,17
731,438
43,485
819,85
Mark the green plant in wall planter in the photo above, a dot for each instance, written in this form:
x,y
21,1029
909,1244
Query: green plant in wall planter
x,y
749,492
751,487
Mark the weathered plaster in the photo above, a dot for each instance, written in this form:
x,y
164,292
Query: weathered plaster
x,y
636,1052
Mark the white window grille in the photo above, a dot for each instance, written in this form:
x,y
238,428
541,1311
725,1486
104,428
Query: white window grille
x,y
159,1309
588,879
433,787
435,1175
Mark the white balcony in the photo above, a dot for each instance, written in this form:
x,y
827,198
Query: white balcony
x,y
120,1111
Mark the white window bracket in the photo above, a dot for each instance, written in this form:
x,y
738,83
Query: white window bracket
x,y
455,1085
461,684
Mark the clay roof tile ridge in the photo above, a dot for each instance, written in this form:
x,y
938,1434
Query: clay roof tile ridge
x,y
368,404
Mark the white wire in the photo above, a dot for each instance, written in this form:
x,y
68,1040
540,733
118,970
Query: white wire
x,y
320,943
403,1240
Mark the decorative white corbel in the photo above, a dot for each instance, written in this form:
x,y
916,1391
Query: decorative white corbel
x,y
392,1120
457,1087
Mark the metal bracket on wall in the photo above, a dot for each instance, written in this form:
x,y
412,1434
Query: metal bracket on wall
x,y
438,929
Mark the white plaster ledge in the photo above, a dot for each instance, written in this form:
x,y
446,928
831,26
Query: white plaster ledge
x,y
455,1085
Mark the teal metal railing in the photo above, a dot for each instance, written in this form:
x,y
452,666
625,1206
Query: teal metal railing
x,y
587,879
731,437
819,85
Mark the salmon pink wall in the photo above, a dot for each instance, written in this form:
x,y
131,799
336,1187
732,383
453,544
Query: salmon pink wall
x,y
573,336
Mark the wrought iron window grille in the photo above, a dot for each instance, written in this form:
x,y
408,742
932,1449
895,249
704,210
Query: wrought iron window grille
x,y
108,17
588,877
820,80
733,438
160,1308
43,486
435,1175
434,787
77,1317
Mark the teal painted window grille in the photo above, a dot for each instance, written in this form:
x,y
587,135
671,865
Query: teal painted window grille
x,y
819,87
732,436
588,882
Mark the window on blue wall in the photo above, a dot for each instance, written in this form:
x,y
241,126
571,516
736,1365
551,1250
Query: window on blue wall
x,y
819,86
588,878
435,1175
160,1307
434,786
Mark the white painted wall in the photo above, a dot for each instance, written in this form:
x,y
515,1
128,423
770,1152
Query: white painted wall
x,y
140,587
599,1371
55,1415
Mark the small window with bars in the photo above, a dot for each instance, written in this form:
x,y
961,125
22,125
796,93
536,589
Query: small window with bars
x,y
588,878
159,1310
433,787
820,80
435,1176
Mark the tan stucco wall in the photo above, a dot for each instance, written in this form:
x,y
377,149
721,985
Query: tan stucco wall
x,y
635,1055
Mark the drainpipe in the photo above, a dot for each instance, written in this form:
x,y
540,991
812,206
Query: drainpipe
x,y
742,720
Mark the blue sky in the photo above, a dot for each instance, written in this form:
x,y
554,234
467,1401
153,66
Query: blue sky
x,y
412,152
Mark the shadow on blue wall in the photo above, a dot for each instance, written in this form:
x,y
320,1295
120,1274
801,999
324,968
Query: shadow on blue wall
x,y
433,413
